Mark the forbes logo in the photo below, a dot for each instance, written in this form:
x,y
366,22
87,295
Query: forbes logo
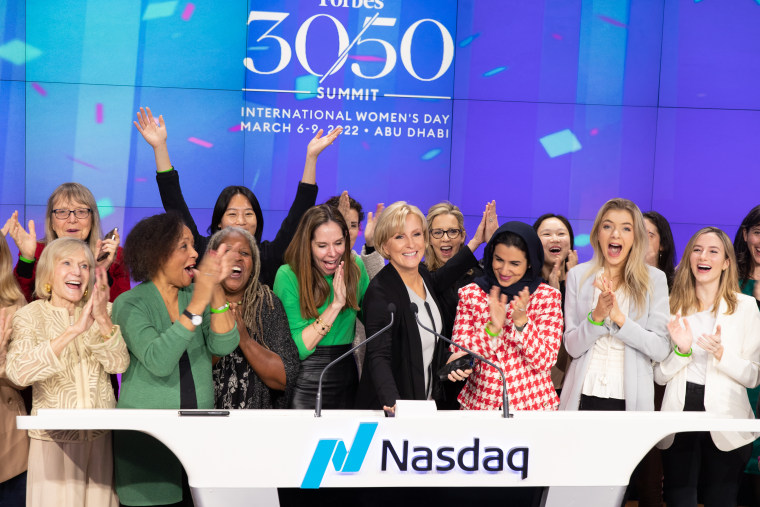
x,y
342,460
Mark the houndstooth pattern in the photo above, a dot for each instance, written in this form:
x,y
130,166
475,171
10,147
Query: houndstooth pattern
x,y
526,358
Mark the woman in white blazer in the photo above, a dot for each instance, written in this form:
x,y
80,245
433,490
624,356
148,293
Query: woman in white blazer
x,y
716,350
616,314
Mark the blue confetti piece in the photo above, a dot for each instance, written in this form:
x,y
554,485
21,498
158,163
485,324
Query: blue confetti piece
x,y
560,143
18,52
307,84
495,71
105,207
466,42
157,10
431,154
582,240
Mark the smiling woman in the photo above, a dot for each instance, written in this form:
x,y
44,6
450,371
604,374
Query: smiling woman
x,y
322,288
64,345
71,213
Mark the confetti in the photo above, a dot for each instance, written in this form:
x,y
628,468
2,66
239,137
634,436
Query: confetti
x,y
98,113
235,128
82,162
39,89
188,12
200,142
466,42
367,58
557,36
431,154
495,71
594,131
157,10
611,21
560,143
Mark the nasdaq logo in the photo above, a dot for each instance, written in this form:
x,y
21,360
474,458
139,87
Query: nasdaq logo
x,y
343,460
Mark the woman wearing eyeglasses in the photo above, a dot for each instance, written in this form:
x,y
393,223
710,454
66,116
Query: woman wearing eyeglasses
x,y
71,212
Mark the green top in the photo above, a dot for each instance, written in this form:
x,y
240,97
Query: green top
x,y
342,330
146,472
747,287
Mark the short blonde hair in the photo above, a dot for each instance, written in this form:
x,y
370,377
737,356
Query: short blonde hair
x,y
392,221
53,252
436,210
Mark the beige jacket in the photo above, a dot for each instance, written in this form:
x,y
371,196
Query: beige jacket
x,y
14,443
76,379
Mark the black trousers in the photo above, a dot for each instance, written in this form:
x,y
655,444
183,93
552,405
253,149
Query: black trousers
x,y
693,460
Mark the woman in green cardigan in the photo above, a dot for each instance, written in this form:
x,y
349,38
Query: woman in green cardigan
x,y
322,287
172,328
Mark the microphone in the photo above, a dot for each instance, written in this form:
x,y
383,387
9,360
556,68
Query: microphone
x,y
318,406
504,398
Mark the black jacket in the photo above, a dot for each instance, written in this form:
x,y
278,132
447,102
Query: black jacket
x,y
271,253
393,366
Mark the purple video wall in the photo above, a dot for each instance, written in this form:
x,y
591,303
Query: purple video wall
x,y
553,106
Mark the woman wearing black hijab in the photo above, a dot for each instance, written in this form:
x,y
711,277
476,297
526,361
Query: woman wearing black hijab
x,y
513,318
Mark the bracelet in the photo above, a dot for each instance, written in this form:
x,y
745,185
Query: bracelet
x,y
321,326
166,171
24,259
675,349
111,334
489,332
593,321
221,309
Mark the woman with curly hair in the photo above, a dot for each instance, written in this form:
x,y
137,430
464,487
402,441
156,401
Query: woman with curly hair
x,y
262,371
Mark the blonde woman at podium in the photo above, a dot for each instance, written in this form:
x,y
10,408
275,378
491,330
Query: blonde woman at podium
x,y
715,331
616,315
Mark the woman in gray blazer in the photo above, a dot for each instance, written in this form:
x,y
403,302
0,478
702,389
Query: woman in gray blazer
x,y
616,315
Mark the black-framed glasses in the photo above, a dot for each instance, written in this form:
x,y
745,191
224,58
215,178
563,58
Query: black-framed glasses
x,y
451,233
64,214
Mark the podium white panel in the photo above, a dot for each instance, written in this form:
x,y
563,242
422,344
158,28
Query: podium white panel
x,y
586,457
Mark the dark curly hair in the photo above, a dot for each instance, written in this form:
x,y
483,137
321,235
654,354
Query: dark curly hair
x,y
150,243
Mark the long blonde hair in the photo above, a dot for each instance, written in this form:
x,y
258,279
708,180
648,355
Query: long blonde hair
x,y
10,293
635,280
683,296
436,210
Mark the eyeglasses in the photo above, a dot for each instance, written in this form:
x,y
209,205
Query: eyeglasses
x,y
451,233
64,214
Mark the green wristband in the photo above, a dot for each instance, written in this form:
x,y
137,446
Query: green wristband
x,y
593,321
675,349
24,259
221,309
488,331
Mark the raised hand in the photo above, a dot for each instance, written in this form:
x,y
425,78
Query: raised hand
x,y
480,233
712,343
520,307
492,221
215,267
26,241
497,308
603,306
85,320
344,205
339,287
680,333
319,143
109,246
154,134
100,294
369,230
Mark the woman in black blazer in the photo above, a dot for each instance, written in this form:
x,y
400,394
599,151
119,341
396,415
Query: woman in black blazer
x,y
401,363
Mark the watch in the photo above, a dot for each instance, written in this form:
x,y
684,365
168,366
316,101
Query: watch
x,y
196,320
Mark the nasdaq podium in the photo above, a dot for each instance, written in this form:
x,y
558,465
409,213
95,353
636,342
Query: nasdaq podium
x,y
585,458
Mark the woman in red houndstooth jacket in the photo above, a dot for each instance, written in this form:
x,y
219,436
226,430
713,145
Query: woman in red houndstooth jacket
x,y
511,317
